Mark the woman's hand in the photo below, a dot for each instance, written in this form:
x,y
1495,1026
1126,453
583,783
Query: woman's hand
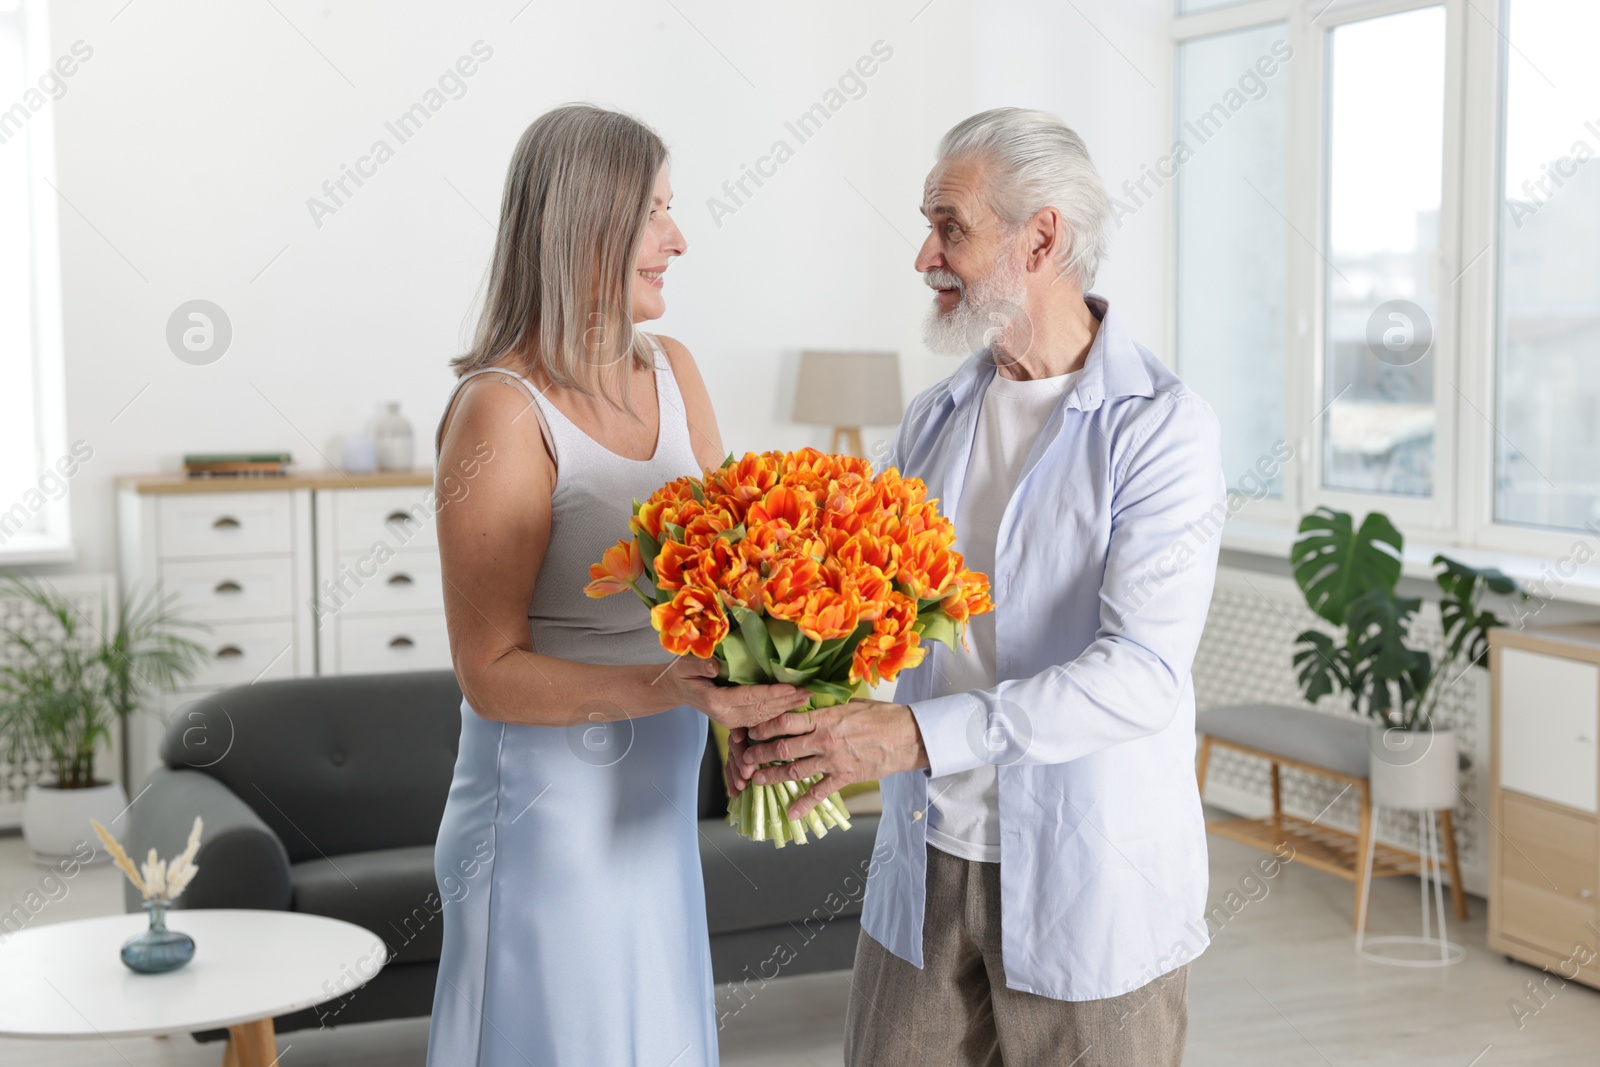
x,y
692,682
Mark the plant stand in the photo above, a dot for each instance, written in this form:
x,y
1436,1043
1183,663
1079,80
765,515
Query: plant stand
x,y
1332,747
1429,871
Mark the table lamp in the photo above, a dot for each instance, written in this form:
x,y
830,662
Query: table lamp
x,y
848,390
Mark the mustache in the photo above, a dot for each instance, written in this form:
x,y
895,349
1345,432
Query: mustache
x,y
943,279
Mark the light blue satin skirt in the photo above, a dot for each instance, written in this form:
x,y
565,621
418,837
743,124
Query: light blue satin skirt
x,y
568,864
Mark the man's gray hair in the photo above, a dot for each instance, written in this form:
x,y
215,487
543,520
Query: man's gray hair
x,y
1037,162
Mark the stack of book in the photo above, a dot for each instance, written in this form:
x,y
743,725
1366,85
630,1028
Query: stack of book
x,y
235,464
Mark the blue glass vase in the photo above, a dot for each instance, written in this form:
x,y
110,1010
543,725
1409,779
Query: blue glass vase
x,y
157,949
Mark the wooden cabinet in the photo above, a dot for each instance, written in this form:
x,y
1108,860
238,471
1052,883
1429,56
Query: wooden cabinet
x,y
1544,853
292,576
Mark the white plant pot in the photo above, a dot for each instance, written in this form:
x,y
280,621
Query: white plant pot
x,y
1412,769
55,822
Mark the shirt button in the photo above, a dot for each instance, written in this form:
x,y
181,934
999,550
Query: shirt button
x,y
916,815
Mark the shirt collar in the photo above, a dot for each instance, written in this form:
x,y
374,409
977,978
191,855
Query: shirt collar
x,y
1112,368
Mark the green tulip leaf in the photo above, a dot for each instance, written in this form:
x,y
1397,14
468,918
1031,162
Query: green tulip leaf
x,y
937,626
753,630
649,549
786,639
742,668
828,694
792,675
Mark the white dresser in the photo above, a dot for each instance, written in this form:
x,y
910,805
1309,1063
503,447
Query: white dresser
x,y
294,576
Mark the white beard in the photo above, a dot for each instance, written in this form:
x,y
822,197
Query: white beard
x,y
985,310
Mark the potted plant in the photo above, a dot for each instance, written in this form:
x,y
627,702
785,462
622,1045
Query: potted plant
x,y
63,685
1348,574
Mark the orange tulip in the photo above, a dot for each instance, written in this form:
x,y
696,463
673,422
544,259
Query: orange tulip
x,y
653,517
675,491
618,569
970,598
674,560
867,549
875,589
785,510
788,581
748,478
717,563
690,623
760,544
704,527
927,568
924,518
745,589
893,645
824,614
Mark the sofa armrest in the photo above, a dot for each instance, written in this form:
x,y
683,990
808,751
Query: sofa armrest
x,y
241,861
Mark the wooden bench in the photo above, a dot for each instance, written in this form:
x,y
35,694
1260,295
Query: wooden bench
x,y
1331,747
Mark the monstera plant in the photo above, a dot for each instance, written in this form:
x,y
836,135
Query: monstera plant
x,y
1349,576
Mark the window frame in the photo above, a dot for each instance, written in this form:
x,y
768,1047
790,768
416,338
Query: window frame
x,y
1461,513
54,544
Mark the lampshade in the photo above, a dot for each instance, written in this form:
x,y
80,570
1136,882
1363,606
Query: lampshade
x,y
848,389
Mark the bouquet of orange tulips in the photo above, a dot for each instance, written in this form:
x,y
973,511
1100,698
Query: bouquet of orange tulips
x,y
798,567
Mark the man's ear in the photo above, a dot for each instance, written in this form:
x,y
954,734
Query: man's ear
x,y
1047,239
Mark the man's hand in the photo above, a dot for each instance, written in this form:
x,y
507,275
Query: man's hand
x,y
854,742
734,773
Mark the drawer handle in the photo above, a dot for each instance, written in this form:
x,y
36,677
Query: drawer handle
x,y
227,587
401,578
402,518
401,641
226,522
229,652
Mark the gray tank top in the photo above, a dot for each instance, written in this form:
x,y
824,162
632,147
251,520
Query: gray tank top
x,y
590,508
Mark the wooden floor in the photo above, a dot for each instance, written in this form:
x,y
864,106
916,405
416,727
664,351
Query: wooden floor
x,y
1281,986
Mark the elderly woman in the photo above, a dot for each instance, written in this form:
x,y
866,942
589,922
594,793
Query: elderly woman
x,y
574,915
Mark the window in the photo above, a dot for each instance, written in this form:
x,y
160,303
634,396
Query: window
x,y
1192,7
34,458
1548,352
1424,239
1385,150
1231,239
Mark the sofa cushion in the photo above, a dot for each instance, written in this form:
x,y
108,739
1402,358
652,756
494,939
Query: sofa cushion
x,y
753,884
1313,737
389,891
332,765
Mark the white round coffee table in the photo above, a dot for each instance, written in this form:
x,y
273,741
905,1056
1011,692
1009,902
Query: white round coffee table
x,y
66,980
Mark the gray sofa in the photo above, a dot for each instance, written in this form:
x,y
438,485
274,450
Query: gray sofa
x,y
312,786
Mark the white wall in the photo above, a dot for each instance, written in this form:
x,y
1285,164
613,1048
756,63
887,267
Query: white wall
x,y
189,145
1105,68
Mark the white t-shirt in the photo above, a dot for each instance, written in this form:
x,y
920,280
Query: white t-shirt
x,y
964,808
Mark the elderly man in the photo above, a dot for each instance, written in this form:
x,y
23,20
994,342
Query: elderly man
x,y
1041,878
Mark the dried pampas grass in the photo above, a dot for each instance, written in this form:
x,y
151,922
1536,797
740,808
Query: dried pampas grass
x,y
156,879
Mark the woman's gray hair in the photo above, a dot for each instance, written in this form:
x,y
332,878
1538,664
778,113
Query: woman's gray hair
x,y
577,196
1035,161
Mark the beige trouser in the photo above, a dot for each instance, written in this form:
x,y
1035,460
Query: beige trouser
x,y
957,1012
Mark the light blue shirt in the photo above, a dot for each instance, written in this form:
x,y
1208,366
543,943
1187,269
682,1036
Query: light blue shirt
x,y
1103,573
